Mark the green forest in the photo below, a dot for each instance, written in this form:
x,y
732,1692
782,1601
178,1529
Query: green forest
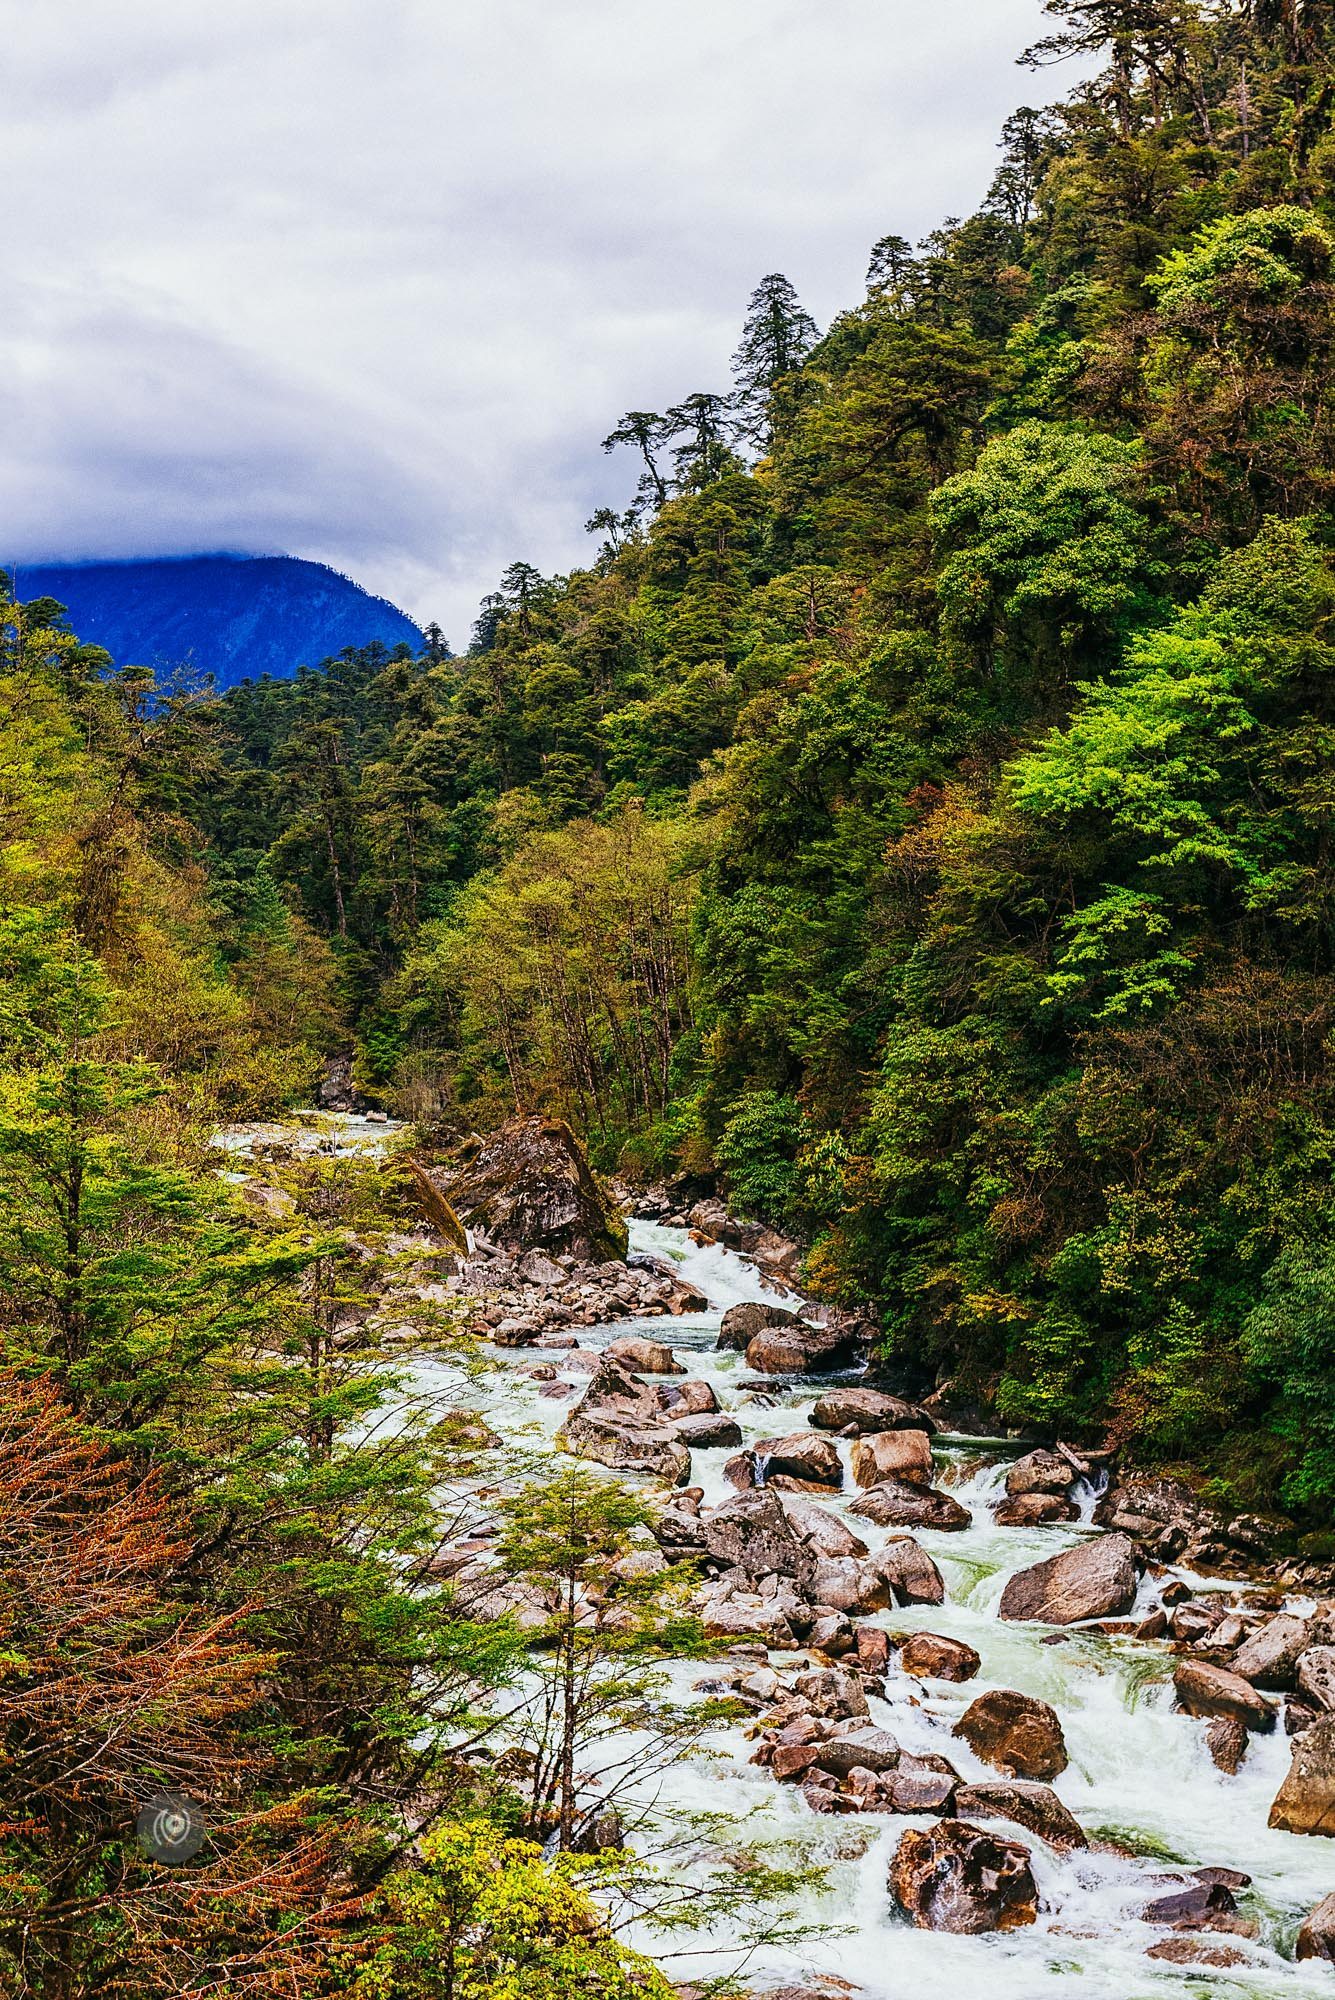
x,y
915,823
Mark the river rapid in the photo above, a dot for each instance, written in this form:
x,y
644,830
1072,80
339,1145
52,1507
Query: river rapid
x,y
1140,1777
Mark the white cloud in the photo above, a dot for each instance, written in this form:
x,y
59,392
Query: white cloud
x,y
368,280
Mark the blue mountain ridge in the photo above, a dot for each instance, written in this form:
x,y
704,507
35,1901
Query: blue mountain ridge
x,y
233,616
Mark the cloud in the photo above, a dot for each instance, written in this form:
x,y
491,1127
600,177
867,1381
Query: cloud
x,y
368,280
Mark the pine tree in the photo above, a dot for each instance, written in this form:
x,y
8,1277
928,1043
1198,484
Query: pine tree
x,y
777,336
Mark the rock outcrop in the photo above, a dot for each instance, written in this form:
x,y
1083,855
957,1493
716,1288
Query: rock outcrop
x,y
1095,1579
1015,1733
956,1877
529,1186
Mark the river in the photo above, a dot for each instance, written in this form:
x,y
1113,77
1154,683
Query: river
x,y
1139,1774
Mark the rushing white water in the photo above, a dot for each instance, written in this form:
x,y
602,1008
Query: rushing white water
x,y
1139,1774
1139,1780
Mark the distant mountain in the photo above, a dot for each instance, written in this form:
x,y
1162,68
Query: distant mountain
x,y
229,615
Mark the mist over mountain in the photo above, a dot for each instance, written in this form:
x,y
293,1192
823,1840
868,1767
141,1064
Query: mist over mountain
x,y
233,616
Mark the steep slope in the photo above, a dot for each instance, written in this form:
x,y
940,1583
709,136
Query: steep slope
x,y
233,616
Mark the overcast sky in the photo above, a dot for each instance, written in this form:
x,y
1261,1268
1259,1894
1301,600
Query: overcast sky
x,y
368,280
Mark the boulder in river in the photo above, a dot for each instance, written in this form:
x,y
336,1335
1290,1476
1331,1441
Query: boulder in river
x,y
1316,1939
931,1656
865,1410
803,1349
1034,1807
894,1503
1039,1472
753,1534
645,1357
741,1323
956,1877
910,1572
1016,1733
800,1456
1269,1658
1226,1740
865,1749
1316,1676
1305,1802
823,1532
1206,1690
1034,1510
708,1430
1095,1579
617,1422
528,1185
903,1455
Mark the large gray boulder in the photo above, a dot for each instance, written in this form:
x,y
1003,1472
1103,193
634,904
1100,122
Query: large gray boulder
x,y
956,1877
741,1323
1269,1658
618,1422
909,1571
753,1535
1095,1579
894,1503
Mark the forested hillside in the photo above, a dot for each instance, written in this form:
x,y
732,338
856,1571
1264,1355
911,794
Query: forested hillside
x,y
917,815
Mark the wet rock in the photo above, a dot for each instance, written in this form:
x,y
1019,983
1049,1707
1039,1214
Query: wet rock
x,y
931,1656
800,1350
1193,1907
873,1647
1269,1658
845,1584
918,1792
1206,1690
1298,1715
1016,1733
823,1532
645,1357
710,1218
729,1610
829,1692
1034,1807
792,1761
1197,1951
1316,1939
801,1456
685,1399
955,1877
1095,1579
753,1534
529,1186
742,1323
617,1422
910,1572
1305,1802
865,1749
868,1410
893,1503
1316,1676
1039,1472
902,1455
709,1430
1226,1740
1034,1510
832,1633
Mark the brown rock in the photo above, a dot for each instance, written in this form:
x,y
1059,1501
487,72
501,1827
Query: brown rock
x,y
873,1649
955,1877
743,1322
800,1350
1316,1676
528,1185
1226,1740
1039,1472
1034,1510
867,1410
930,1656
1034,1807
823,1532
1015,1732
894,1503
865,1749
901,1455
791,1760
1269,1658
846,1584
1095,1579
800,1456
919,1792
1316,1939
910,1572
684,1399
1305,1802
1196,1951
709,1433
1206,1690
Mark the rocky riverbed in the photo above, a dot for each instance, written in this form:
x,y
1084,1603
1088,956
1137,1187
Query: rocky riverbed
x,y
1048,1726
